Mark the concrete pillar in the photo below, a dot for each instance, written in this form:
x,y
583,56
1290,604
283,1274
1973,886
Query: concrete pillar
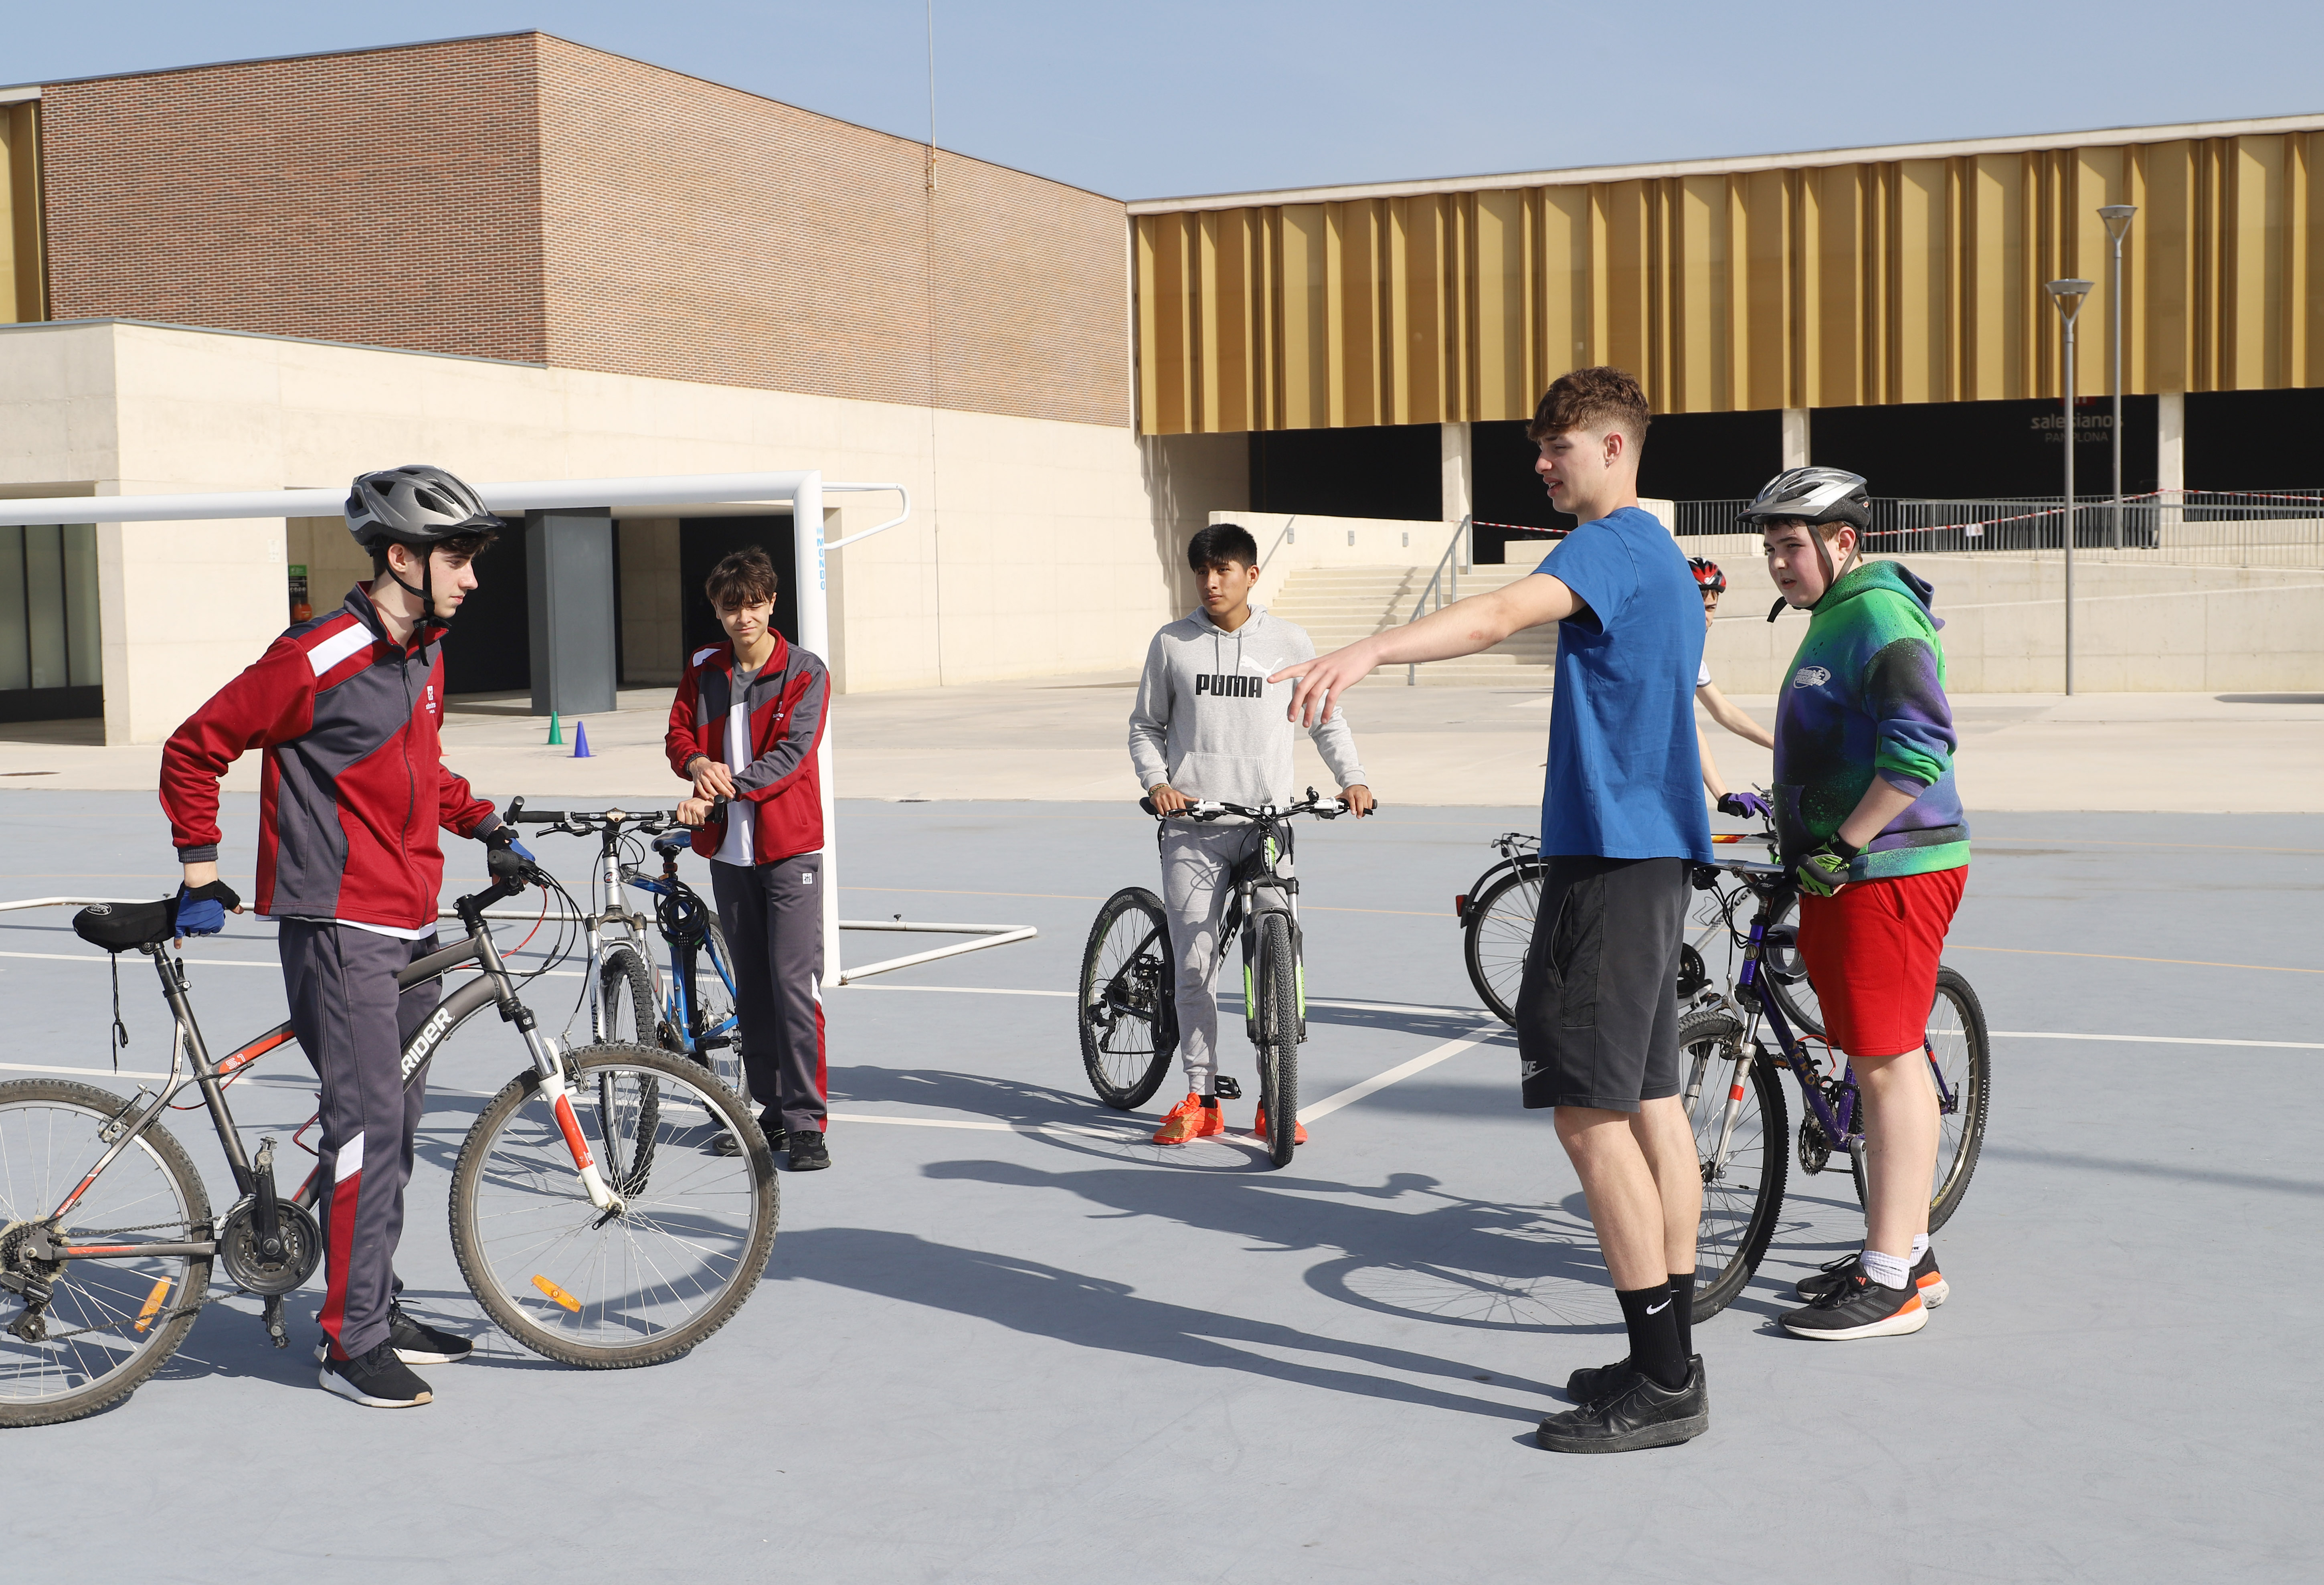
x,y
1795,438
569,577
1459,497
2171,440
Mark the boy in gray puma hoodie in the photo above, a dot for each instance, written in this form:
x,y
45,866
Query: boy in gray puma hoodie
x,y
1208,725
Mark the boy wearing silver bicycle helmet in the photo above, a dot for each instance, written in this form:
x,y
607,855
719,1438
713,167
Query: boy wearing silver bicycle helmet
x,y
346,709
1872,830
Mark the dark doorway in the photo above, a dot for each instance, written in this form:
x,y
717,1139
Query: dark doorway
x,y
1504,489
1711,456
488,648
1979,450
701,543
1391,471
2252,439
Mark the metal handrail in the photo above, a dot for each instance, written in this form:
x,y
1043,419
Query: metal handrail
x,y
1444,583
1280,540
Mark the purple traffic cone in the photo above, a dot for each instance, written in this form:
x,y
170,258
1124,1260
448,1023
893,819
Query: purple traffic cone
x,y
581,741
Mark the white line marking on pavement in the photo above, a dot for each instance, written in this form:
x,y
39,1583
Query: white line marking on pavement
x,y
987,1126
957,989
1402,1071
2158,1039
41,1067
91,957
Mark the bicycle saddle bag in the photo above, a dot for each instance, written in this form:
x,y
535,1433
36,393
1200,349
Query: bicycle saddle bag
x,y
121,927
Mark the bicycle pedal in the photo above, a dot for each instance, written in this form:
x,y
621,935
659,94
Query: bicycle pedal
x,y
1228,1088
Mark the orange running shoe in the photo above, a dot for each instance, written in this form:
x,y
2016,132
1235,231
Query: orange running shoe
x,y
1189,1120
1259,1128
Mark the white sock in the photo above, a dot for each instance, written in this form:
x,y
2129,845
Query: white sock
x,y
1920,1246
1890,1271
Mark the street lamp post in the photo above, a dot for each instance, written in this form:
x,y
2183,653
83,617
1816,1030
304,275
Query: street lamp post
x,y
2068,295
2117,223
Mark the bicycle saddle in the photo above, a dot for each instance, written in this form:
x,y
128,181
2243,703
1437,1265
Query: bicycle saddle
x,y
120,926
673,842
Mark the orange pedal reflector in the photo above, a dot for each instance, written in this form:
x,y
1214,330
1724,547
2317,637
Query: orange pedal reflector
x,y
557,1295
153,1302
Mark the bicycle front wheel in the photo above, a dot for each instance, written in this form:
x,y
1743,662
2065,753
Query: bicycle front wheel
x,y
625,997
1129,1032
107,1324
603,1291
1743,1164
716,1036
1961,1051
1279,1014
1786,971
1498,932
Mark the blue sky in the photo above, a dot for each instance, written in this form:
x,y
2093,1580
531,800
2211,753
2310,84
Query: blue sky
x,y
1205,95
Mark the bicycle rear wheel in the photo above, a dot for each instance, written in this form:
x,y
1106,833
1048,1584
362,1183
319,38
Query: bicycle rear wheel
x,y
1279,1009
1498,932
107,1324
603,1292
1742,1188
1961,1050
1129,1028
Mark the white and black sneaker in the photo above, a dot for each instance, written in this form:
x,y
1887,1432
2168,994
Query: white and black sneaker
x,y
1834,1274
376,1379
416,1343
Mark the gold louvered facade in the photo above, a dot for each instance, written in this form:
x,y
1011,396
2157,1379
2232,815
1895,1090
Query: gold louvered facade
x,y
1813,285
24,273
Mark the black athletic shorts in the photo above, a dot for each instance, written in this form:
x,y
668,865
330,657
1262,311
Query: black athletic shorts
x,y
1597,1006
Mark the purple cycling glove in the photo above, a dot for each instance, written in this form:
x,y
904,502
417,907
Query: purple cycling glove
x,y
1743,806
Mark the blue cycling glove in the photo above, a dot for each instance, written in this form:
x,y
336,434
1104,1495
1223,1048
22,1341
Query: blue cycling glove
x,y
201,909
1743,806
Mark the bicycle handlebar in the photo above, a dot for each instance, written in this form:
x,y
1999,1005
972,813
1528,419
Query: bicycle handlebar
x,y
1208,809
589,822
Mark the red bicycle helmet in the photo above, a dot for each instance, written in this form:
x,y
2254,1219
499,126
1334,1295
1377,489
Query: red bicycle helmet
x,y
1707,575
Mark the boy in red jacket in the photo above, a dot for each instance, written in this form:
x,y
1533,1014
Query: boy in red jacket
x,y
346,708
743,730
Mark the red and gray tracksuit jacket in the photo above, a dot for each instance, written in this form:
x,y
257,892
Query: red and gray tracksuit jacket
x,y
784,708
354,785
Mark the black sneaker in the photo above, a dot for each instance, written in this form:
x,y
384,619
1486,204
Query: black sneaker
x,y
1643,1414
771,1123
808,1152
418,1343
376,1380
1833,1274
1593,1382
1860,1307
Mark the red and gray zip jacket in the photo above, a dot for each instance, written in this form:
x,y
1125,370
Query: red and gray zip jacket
x,y
354,785
786,703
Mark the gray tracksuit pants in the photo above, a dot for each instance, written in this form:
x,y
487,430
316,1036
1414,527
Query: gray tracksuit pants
x,y
773,917
353,1025
1197,863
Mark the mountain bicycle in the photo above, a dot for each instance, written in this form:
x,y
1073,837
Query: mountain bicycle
x,y
590,1214
1495,915
1127,1009
1734,1097
693,1011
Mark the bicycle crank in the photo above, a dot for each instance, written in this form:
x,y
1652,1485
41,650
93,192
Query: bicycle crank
x,y
253,1268
1815,1146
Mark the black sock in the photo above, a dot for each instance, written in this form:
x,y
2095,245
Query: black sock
x,y
1682,1285
1211,1102
1654,1333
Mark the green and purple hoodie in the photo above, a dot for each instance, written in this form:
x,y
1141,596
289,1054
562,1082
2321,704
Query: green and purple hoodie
x,y
1865,697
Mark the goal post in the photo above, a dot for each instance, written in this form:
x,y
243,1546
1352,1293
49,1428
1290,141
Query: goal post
x,y
802,491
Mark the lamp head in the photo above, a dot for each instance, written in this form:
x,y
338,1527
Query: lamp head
x,y
2117,218
2069,295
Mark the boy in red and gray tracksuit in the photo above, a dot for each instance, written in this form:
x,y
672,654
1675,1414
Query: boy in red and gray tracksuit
x,y
748,733
346,709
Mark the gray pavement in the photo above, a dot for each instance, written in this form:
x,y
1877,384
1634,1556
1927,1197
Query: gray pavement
x,y
1015,1342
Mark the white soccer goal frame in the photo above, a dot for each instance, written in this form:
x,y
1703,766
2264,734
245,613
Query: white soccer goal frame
x,y
800,490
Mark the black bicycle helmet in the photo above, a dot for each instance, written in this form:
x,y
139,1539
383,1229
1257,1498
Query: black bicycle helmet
x,y
415,505
1707,575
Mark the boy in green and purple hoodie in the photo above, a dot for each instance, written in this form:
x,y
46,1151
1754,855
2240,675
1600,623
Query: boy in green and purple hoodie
x,y
1872,830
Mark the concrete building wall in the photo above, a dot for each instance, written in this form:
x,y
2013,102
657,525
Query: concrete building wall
x,y
1037,547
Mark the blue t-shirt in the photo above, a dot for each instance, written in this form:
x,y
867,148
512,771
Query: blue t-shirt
x,y
1624,780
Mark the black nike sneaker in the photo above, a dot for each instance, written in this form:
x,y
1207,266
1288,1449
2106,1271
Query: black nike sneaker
x,y
1834,1274
376,1379
808,1152
1641,1414
1593,1382
1859,1308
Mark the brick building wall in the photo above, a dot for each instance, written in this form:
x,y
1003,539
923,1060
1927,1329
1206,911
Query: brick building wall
x,y
529,198
390,196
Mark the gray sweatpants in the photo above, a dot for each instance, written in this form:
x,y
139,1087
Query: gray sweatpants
x,y
772,916
1197,861
353,1025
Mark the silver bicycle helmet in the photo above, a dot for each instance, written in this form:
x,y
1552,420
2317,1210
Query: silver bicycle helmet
x,y
415,505
1815,495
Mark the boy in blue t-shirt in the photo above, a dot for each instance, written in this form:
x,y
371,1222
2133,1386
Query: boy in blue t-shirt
x,y
1621,818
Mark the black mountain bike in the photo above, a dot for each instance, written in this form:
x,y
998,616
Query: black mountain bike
x,y
1129,1022
591,1215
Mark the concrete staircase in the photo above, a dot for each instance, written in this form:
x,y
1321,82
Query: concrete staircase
x,y
1339,605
